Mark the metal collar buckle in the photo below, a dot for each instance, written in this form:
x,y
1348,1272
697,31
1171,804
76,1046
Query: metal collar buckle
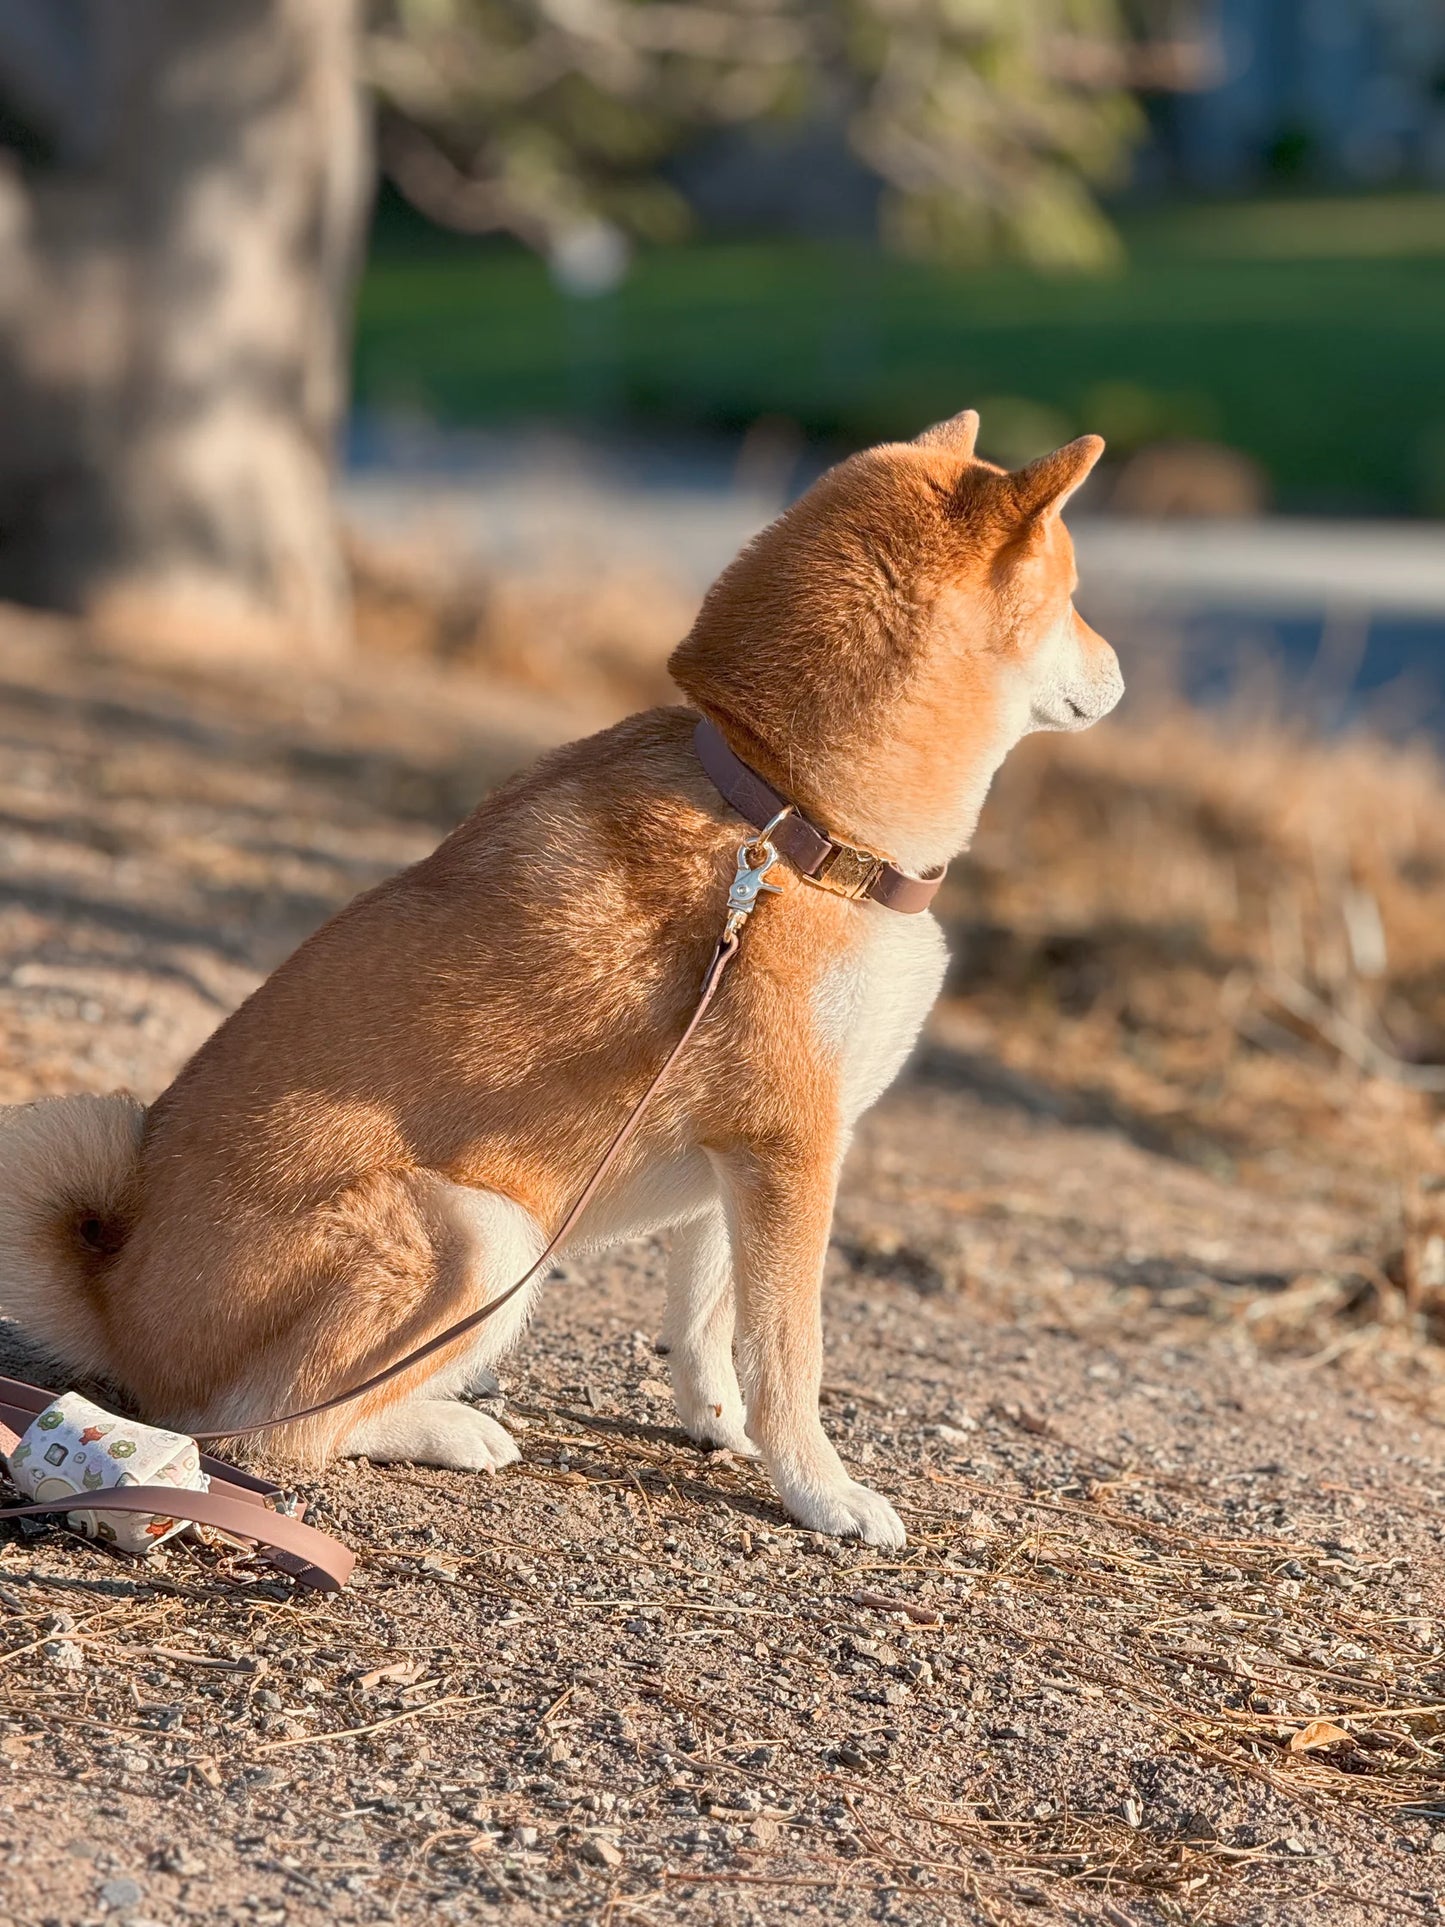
x,y
848,872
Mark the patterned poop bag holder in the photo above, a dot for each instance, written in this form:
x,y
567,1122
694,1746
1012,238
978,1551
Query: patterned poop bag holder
x,y
75,1447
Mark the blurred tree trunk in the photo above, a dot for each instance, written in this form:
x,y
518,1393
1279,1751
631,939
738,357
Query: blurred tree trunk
x,y
183,195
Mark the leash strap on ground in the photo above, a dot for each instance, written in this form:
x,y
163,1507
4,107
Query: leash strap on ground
x,y
236,1503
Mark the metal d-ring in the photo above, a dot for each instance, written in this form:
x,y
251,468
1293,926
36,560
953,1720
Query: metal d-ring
x,y
760,841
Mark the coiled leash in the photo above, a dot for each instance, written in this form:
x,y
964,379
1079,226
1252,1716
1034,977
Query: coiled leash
x,y
205,1491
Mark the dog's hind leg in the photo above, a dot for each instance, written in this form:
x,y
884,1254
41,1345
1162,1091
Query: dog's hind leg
x,y
394,1262
487,1241
697,1332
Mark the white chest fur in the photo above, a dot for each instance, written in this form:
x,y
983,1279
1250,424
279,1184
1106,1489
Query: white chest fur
x,y
870,1003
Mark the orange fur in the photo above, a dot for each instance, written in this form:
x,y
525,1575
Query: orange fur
x,y
365,1149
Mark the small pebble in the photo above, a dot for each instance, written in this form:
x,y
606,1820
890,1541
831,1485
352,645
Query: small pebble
x,y
124,1892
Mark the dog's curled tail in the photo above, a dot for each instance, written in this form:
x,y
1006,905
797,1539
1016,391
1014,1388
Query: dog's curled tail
x,y
69,1170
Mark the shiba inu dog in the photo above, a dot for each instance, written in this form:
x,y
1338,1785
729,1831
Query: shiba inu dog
x,y
382,1137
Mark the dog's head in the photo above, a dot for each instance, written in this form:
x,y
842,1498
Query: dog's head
x,y
879,649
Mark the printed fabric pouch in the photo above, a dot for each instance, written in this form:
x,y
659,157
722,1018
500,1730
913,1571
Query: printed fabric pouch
x,y
76,1447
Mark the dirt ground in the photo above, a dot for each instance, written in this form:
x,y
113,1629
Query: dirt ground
x,y
1166,1641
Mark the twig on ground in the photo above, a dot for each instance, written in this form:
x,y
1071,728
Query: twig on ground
x,y
375,1726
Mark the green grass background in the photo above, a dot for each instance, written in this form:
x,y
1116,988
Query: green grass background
x,y
1309,333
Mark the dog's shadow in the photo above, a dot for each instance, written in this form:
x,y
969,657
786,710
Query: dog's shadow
x,y
663,1481
21,1357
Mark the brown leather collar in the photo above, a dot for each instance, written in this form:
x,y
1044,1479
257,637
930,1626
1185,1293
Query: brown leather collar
x,y
819,858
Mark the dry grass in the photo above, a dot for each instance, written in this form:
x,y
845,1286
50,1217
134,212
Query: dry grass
x,y
1306,877
1235,935
1283,888
562,632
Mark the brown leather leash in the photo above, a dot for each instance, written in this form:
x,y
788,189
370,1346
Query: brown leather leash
x,y
244,1506
727,949
820,860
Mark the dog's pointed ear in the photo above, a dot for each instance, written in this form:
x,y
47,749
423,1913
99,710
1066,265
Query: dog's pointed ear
x,y
1045,485
958,434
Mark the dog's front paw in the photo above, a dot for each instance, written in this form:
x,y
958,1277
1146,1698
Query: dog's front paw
x,y
850,1511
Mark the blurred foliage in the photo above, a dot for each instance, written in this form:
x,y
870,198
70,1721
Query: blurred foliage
x,y
985,121
1316,353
